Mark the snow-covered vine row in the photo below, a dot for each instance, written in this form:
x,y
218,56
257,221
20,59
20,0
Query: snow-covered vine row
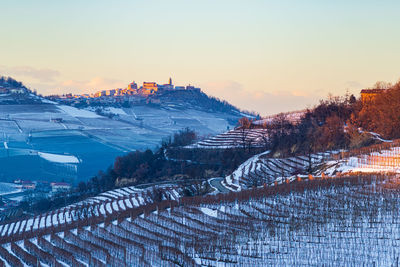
x,y
331,222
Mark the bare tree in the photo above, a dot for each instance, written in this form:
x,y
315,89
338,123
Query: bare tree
x,y
244,126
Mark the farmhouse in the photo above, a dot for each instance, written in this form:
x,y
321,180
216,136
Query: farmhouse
x,y
28,185
60,187
17,91
368,95
56,120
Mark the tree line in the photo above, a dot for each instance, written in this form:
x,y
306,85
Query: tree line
x,y
170,162
10,82
335,123
381,113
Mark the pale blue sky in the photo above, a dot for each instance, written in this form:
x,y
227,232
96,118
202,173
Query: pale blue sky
x,y
267,56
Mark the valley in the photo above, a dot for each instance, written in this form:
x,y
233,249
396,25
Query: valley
x,y
95,140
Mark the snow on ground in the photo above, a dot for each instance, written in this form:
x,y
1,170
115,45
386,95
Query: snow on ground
x,y
75,112
58,158
118,111
232,181
233,139
111,110
46,101
351,165
301,228
8,188
383,161
33,127
209,212
261,169
377,136
293,116
106,203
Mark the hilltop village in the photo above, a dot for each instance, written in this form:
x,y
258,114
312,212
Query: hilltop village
x,y
132,93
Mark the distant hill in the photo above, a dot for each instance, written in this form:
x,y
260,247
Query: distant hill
x,y
176,99
15,92
96,133
197,99
8,82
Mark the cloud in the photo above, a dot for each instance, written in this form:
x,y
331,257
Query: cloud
x,y
94,84
224,86
42,75
74,86
353,85
263,102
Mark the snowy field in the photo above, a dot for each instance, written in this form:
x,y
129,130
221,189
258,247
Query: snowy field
x,y
7,188
94,140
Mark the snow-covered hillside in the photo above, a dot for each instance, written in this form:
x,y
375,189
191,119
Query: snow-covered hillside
x,y
235,138
78,113
293,116
8,188
26,130
102,205
382,161
240,137
263,169
309,224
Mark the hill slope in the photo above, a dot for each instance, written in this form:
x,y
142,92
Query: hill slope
x,y
95,134
343,221
263,169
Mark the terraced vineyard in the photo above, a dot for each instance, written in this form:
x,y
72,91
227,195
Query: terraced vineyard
x,y
381,158
262,169
234,139
94,208
241,137
329,222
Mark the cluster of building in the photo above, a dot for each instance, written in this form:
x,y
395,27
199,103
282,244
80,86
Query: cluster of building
x,y
42,185
11,90
368,95
28,190
147,89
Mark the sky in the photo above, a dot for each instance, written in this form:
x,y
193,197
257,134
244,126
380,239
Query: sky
x,y
260,55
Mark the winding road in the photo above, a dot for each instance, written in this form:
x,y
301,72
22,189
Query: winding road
x,y
217,183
